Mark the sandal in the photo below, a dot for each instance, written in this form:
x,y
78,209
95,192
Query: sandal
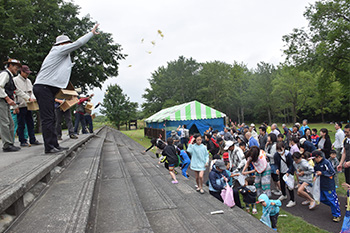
x,y
312,205
306,202
201,191
198,189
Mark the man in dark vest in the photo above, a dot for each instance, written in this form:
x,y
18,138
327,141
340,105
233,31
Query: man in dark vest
x,y
7,91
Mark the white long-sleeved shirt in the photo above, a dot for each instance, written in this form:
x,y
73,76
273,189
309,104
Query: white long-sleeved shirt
x,y
4,79
25,85
339,138
237,159
57,66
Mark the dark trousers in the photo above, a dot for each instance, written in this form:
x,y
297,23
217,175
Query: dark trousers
x,y
45,95
88,122
347,175
274,219
79,118
184,142
59,119
25,117
283,187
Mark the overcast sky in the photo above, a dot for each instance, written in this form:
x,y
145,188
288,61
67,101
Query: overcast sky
x,y
247,31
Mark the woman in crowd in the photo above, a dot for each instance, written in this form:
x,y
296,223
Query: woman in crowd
x,y
324,144
261,169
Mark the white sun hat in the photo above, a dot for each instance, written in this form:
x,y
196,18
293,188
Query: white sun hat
x,y
62,39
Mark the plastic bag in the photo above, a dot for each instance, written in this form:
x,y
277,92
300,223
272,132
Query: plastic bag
x,y
289,181
316,190
265,217
240,179
227,196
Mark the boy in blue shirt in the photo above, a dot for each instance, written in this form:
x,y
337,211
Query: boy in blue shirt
x,y
325,170
185,160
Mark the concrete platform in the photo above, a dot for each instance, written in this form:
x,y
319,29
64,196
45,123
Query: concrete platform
x,y
111,186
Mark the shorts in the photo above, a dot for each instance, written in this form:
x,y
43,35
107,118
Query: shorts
x,y
301,182
171,167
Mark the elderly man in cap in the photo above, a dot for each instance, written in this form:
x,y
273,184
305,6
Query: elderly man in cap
x,y
7,91
55,74
24,116
236,156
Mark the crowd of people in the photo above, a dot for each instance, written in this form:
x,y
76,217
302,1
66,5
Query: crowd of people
x,y
16,91
260,165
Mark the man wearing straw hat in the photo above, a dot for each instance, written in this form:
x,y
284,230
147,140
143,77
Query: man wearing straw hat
x,y
55,74
7,91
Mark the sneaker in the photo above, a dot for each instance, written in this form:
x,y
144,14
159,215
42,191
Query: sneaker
x,y
336,219
36,143
306,202
291,204
174,181
254,211
276,192
73,136
24,144
11,148
281,198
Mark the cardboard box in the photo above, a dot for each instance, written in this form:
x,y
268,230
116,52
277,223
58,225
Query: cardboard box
x,y
89,107
93,116
32,106
67,104
67,93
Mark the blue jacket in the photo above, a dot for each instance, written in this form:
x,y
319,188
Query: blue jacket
x,y
274,209
289,161
308,146
184,157
327,178
253,142
216,181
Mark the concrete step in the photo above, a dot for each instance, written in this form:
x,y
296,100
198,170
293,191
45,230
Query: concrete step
x,y
189,209
24,174
65,205
118,208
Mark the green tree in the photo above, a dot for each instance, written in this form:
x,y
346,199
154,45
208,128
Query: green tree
x,y
117,106
28,30
260,91
289,86
174,84
325,44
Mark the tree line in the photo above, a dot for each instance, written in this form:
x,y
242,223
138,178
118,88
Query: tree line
x,y
313,82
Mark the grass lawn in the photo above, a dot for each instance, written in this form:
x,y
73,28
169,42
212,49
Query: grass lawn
x,y
286,223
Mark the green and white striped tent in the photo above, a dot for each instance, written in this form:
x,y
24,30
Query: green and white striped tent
x,y
192,114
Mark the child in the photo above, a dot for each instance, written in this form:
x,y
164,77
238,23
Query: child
x,y
270,208
335,162
324,169
171,156
307,156
314,137
248,192
304,172
284,166
185,160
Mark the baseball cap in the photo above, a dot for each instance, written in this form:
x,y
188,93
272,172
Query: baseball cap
x,y
228,144
220,164
26,69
